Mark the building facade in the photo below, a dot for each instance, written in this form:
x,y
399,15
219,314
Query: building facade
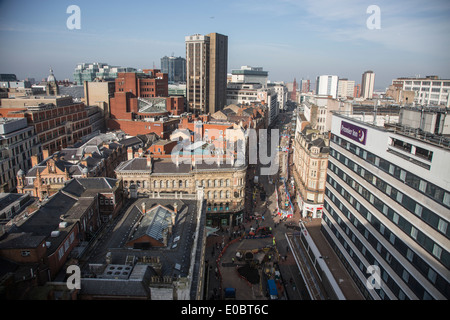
x,y
327,85
141,104
206,72
18,144
346,88
428,91
248,74
310,167
367,84
97,70
91,159
223,184
175,67
387,208
58,121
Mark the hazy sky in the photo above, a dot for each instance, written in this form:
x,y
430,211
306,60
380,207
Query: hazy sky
x,y
288,38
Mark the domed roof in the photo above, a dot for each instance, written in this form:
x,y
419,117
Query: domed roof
x,y
51,77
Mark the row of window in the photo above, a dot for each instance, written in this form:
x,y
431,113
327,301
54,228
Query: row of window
x,y
421,265
211,183
425,214
395,265
361,284
427,188
65,246
421,238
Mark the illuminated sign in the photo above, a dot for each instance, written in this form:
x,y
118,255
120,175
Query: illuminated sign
x,y
354,132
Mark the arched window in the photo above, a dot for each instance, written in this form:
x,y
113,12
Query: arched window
x,y
228,182
228,194
221,194
215,195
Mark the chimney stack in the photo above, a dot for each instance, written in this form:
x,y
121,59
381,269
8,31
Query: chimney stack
x,y
175,211
149,161
130,153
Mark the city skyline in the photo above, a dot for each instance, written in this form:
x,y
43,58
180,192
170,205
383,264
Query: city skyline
x,y
290,39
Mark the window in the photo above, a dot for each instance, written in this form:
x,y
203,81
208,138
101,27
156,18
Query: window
x,y
437,251
413,232
442,226
395,218
392,238
432,275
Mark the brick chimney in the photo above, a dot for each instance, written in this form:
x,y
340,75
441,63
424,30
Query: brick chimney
x,y
45,153
130,153
149,161
34,160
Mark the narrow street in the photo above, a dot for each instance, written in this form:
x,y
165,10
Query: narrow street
x,y
262,211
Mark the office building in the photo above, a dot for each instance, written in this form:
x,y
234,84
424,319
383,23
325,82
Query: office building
x,y
248,74
18,144
282,93
367,83
141,104
305,86
97,70
58,121
206,72
428,91
327,85
346,88
387,204
175,67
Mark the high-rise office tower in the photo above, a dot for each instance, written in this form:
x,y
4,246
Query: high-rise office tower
x,y
387,204
327,85
206,72
175,67
346,88
367,83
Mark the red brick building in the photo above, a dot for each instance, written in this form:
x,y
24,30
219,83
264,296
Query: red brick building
x,y
58,121
140,98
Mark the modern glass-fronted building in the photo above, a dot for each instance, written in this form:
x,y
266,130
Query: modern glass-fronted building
x,y
90,71
387,206
175,67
